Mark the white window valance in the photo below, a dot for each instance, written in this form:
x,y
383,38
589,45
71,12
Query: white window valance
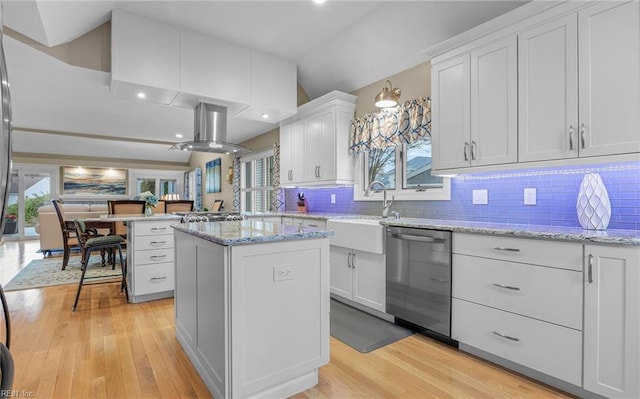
x,y
391,126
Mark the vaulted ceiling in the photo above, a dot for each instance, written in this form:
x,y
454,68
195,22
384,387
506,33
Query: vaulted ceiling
x,y
338,45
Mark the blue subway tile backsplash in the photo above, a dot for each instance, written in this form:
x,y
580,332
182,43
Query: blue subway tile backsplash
x,y
556,191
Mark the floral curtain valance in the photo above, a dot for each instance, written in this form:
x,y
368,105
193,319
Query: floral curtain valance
x,y
391,126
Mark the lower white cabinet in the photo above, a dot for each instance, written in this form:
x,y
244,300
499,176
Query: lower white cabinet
x,y
358,276
612,321
150,260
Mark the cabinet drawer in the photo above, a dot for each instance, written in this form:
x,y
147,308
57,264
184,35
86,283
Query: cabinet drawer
x,y
545,347
153,242
153,256
563,255
545,293
154,228
318,224
154,278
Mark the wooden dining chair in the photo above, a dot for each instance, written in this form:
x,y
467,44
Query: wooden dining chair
x,y
125,207
69,239
171,206
217,205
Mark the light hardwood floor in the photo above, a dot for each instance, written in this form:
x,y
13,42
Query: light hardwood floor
x,y
110,349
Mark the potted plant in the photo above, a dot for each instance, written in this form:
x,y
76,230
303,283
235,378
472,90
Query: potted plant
x,y
10,224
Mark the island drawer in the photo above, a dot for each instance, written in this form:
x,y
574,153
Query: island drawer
x,y
154,278
151,256
154,242
541,346
545,293
563,255
154,228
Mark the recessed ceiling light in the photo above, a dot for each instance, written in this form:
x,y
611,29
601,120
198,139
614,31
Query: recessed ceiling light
x,y
141,95
265,116
319,1
179,135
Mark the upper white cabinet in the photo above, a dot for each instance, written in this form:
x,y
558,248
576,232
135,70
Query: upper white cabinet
x,y
559,83
180,67
314,145
474,107
580,84
612,321
211,66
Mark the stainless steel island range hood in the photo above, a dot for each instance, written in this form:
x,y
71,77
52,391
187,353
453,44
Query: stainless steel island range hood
x,y
210,132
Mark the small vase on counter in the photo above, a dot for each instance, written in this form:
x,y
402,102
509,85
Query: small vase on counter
x,y
593,205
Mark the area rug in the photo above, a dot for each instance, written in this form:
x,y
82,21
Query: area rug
x,y
362,331
48,271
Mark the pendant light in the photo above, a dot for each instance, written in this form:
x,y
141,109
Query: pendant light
x,y
388,97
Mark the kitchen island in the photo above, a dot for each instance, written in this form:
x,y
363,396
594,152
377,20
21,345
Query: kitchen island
x,y
252,305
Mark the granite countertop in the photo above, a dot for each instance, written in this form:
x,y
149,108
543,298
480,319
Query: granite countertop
x,y
575,234
138,218
249,232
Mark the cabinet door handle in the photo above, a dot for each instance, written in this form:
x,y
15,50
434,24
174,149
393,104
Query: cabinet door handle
x,y
506,336
506,249
571,129
158,278
156,257
349,260
582,129
289,175
466,150
157,243
158,229
508,287
353,260
590,269
473,150
319,174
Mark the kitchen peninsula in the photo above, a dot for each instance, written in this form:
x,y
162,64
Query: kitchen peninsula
x,y
252,305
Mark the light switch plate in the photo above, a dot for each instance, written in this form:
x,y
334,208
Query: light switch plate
x,y
480,197
333,198
530,196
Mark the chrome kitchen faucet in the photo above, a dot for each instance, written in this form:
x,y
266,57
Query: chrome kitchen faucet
x,y
385,205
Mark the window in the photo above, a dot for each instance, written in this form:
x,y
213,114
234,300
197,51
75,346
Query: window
x,y
256,182
158,183
405,170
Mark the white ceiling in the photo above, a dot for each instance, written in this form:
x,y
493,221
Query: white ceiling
x,y
339,45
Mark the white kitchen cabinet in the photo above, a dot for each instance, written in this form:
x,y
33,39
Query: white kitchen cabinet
x,y
304,222
609,72
612,321
145,56
589,60
520,300
292,144
214,68
150,260
358,276
316,142
474,107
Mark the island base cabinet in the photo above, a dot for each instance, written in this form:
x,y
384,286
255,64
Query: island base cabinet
x,y
541,346
261,314
612,321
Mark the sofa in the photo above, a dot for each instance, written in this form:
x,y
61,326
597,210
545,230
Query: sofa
x,y
49,227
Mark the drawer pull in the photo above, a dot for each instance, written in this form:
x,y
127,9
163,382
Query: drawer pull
x,y
157,243
156,257
158,228
506,249
590,270
438,280
507,287
158,278
506,336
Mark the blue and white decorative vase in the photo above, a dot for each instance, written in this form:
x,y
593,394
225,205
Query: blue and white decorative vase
x,y
593,206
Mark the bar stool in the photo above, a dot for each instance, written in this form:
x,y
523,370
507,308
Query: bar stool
x,y
89,244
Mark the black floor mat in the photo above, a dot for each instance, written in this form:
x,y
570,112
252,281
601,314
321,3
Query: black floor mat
x,y
361,331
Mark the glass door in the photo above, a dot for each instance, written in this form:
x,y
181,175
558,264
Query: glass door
x,y
28,191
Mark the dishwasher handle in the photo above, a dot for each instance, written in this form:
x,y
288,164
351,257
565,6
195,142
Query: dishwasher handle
x,y
411,237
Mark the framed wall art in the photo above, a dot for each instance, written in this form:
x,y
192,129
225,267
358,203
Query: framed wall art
x,y
213,170
81,181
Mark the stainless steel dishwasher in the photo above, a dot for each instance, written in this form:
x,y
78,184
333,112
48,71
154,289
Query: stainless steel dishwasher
x,y
419,277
